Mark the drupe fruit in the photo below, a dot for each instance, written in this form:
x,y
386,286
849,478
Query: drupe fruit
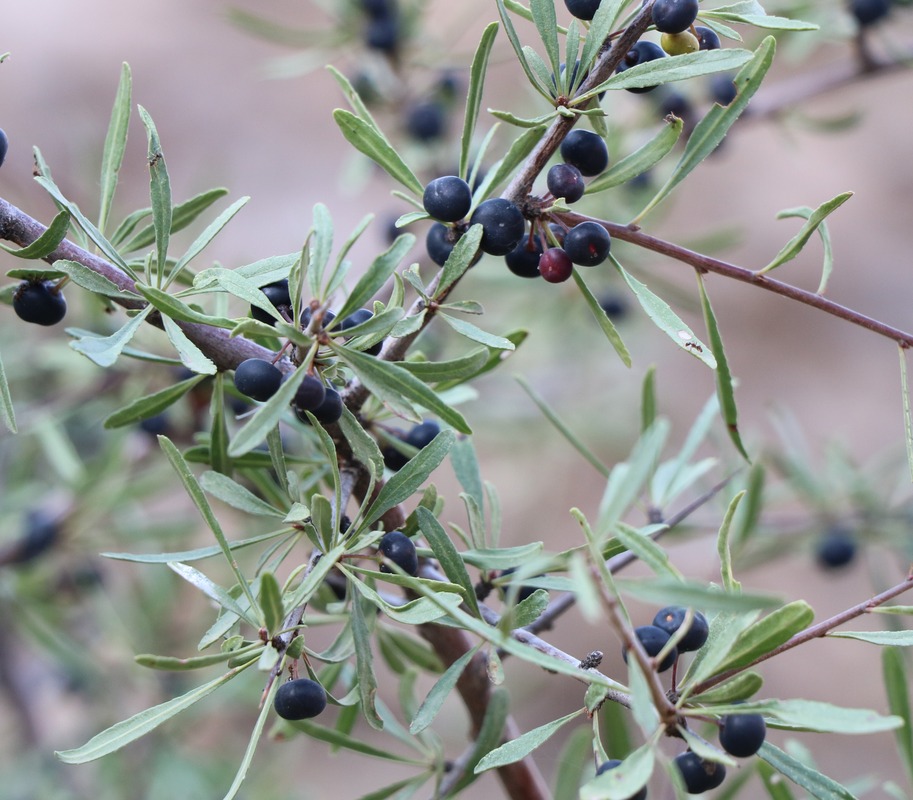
x,y
39,302
277,293
742,735
583,9
448,198
585,150
398,548
699,775
555,266
565,180
258,379
653,640
641,53
612,763
836,548
502,224
300,699
587,244
671,618
674,16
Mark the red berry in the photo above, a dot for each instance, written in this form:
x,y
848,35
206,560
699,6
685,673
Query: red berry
x,y
555,266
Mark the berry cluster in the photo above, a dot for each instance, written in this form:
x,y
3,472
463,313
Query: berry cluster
x,y
655,638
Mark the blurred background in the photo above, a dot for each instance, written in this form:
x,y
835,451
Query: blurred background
x,y
252,114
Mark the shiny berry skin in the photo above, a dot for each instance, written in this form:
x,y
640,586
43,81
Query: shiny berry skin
x,y
258,379
670,619
565,180
4,145
707,38
742,735
398,548
585,150
447,199
39,302
426,121
310,394
587,244
605,766
502,224
654,639
868,12
641,53
583,9
555,266
440,242
837,548
523,260
300,699
277,293
674,16
699,776
679,44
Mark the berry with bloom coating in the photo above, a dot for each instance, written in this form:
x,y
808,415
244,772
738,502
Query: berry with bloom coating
x,y
565,180
448,198
39,302
300,699
398,548
502,224
258,379
422,434
742,735
330,410
555,266
699,775
670,619
585,150
605,766
674,16
587,244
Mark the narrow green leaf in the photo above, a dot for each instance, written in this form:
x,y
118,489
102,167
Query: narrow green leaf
x,y
739,687
212,590
193,555
572,763
546,23
883,638
730,584
6,402
182,216
552,416
648,400
490,734
777,788
642,159
608,328
121,734
768,633
199,500
466,468
503,557
724,385
177,309
518,48
368,139
45,244
446,554
271,602
191,356
519,149
814,222
255,734
625,780
159,192
237,496
151,404
218,427
210,232
104,350
599,30
441,690
377,275
115,144
662,315
709,132
317,249
817,785
643,709
812,715
390,382
461,258
646,550
405,482
476,334
340,739
171,664
897,687
364,662
663,591
267,416
519,748
364,446
88,279
759,18
477,73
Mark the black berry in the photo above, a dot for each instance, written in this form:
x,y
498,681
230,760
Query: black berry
x,y
378,8
523,260
310,394
502,224
447,199
440,242
670,619
330,410
277,293
156,425
41,533
585,150
605,766
641,53
394,458
300,699
583,9
674,16
258,379
614,305
565,180
742,735
699,775
421,435
707,38
4,145
39,302
307,315
426,121
555,266
837,548
587,244
868,12
357,317
722,89
653,640
382,34
674,102
398,548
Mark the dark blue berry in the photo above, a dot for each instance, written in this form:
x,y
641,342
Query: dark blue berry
x,y
653,640
523,260
398,548
310,394
307,315
277,293
742,735
300,699
868,12
155,425
357,317
555,266
707,38
585,150
258,379
426,121
565,180
440,241
39,302
587,244
722,88
583,9
422,434
614,305
671,618
382,34
502,224
674,16
837,548
641,53
4,145
612,763
699,776
330,410
42,531
448,198
394,458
